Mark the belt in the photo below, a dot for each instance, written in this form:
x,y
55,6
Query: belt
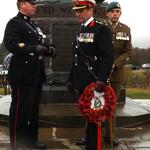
x,y
81,59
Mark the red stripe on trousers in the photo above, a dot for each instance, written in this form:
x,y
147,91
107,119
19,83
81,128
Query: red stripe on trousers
x,y
16,117
99,137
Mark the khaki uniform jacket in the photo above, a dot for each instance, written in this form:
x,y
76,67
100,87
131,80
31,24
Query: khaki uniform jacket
x,y
121,39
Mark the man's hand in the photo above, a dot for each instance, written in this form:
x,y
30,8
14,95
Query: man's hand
x,y
42,50
99,86
52,51
46,51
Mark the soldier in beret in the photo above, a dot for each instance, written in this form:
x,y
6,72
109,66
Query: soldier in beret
x,y
122,48
24,39
93,58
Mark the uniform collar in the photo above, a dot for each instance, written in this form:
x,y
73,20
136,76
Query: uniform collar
x,y
115,24
88,21
24,17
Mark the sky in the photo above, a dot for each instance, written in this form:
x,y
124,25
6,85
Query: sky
x,y
135,14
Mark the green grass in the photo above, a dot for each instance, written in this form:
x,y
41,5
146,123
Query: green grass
x,y
135,93
1,91
138,93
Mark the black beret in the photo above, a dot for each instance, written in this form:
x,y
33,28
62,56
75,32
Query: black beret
x,y
30,1
112,5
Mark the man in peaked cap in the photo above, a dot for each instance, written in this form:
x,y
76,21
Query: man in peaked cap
x,y
26,74
122,47
93,42
80,4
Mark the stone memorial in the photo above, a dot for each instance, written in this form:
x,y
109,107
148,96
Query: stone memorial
x,y
57,21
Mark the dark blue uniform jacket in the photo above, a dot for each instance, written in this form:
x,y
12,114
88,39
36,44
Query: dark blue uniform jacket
x,y
21,38
95,42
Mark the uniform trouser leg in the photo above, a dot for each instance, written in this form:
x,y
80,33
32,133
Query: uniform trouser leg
x,y
110,123
24,112
34,118
91,136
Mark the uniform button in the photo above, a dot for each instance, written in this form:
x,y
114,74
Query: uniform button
x,y
113,34
26,62
31,54
113,42
43,36
39,39
25,17
128,58
76,46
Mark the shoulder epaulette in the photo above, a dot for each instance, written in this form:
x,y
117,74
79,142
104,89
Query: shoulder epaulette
x,y
124,25
99,22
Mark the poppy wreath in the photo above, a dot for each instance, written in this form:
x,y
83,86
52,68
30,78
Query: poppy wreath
x,y
102,112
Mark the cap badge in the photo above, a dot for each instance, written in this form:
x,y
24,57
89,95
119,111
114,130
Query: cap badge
x,y
21,44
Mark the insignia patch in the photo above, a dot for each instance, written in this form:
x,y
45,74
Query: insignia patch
x,y
21,44
118,5
97,101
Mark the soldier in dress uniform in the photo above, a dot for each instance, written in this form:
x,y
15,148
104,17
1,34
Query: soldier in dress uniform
x,y
93,58
122,47
24,39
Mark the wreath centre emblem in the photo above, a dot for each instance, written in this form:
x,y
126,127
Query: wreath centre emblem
x,y
97,101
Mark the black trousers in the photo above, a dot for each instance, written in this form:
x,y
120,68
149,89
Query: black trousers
x,y
24,113
91,136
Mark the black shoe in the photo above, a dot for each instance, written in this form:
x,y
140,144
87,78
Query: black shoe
x,y
108,142
18,148
81,142
38,145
